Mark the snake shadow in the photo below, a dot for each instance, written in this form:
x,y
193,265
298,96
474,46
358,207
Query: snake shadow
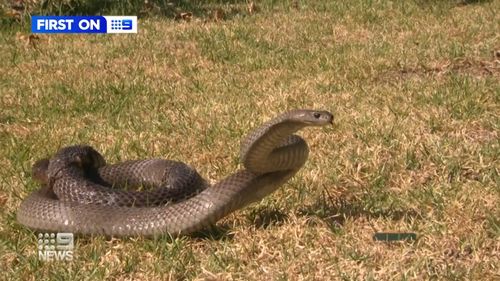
x,y
331,211
265,217
262,217
220,232
334,212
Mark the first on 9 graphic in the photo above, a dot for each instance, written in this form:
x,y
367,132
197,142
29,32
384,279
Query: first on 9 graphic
x,y
84,24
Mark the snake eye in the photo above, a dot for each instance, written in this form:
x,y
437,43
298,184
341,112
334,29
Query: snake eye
x,y
316,115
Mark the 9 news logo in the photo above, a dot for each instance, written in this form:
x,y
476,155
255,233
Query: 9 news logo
x,y
86,24
55,247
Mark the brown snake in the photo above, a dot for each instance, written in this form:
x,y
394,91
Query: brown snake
x,y
81,194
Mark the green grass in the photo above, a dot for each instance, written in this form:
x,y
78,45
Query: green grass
x,y
414,86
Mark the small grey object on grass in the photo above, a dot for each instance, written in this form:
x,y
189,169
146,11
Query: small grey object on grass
x,y
394,236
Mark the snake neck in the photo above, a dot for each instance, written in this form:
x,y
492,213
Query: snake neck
x,y
258,147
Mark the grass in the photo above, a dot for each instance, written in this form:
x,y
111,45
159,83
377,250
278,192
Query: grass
x,y
415,148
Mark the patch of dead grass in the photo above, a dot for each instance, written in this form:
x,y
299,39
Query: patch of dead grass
x,y
396,159
464,66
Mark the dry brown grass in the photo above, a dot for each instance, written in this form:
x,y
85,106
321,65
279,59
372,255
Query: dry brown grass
x,y
414,87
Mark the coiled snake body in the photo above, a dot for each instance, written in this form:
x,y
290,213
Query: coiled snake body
x,y
80,195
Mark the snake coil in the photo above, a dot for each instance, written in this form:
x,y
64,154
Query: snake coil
x,y
80,193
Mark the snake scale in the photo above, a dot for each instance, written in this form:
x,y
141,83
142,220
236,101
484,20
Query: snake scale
x,y
81,194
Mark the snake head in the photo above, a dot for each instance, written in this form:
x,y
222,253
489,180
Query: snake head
x,y
82,157
89,158
312,117
39,171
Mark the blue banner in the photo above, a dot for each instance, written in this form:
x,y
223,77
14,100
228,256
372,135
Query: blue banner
x,y
68,24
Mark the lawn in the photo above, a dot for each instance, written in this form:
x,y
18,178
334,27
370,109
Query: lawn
x,y
414,87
